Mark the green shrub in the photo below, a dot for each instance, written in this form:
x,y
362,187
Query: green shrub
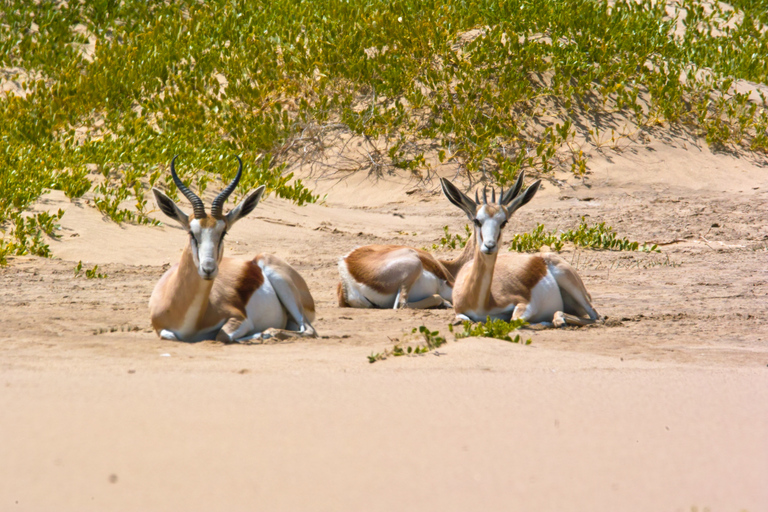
x,y
492,328
495,87
598,236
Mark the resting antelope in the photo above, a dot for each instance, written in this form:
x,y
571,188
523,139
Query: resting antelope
x,y
539,288
385,276
207,296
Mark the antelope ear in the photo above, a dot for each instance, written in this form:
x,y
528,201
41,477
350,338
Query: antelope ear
x,y
168,207
510,194
458,198
524,198
246,206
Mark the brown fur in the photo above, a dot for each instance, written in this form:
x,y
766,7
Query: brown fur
x,y
432,265
454,265
207,222
342,296
528,275
250,280
365,263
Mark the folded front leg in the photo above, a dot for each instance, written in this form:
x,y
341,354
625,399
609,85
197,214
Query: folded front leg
x,y
234,329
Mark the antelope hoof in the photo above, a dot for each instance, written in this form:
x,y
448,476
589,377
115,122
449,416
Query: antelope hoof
x,y
223,337
165,334
559,319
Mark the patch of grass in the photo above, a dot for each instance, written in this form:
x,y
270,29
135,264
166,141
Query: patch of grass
x,y
26,237
89,273
492,328
598,236
450,241
491,87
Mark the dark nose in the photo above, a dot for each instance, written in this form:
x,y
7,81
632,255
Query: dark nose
x,y
209,266
490,245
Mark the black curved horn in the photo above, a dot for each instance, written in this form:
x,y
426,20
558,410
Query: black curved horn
x,y
218,204
485,195
493,195
501,194
197,203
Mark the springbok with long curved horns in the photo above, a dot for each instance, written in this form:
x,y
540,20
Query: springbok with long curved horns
x,y
541,288
383,276
207,296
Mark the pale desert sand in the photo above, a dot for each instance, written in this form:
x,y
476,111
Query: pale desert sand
x,y
665,408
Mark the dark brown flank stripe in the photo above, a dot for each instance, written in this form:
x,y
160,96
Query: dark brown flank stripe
x,y
250,280
535,272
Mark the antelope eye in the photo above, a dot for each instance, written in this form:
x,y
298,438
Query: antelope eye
x,y
477,223
503,224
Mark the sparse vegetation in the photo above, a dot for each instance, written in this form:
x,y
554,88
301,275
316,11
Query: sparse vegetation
x,y
111,90
492,328
89,273
598,236
450,241
431,341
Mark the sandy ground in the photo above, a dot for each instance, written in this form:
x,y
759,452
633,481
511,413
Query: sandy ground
x,y
665,408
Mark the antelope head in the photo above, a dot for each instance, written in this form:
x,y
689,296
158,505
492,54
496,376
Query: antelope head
x,y
490,218
206,232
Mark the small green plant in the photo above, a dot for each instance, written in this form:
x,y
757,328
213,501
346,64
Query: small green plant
x,y
533,241
94,273
89,274
598,236
432,340
377,356
450,241
492,328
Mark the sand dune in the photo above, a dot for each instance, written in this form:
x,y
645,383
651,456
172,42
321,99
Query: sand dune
x,y
665,408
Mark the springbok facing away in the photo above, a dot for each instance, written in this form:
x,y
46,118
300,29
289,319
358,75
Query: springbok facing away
x,y
387,276
540,288
207,296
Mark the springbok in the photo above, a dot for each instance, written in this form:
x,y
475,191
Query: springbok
x,y
386,276
541,288
207,296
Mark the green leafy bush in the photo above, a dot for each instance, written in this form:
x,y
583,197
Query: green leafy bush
x,y
494,87
492,328
598,236
450,241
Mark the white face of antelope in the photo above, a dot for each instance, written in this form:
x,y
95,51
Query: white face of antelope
x,y
489,221
207,244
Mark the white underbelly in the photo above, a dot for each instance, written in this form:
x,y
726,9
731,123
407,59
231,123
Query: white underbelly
x,y
546,300
427,285
264,309
363,296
